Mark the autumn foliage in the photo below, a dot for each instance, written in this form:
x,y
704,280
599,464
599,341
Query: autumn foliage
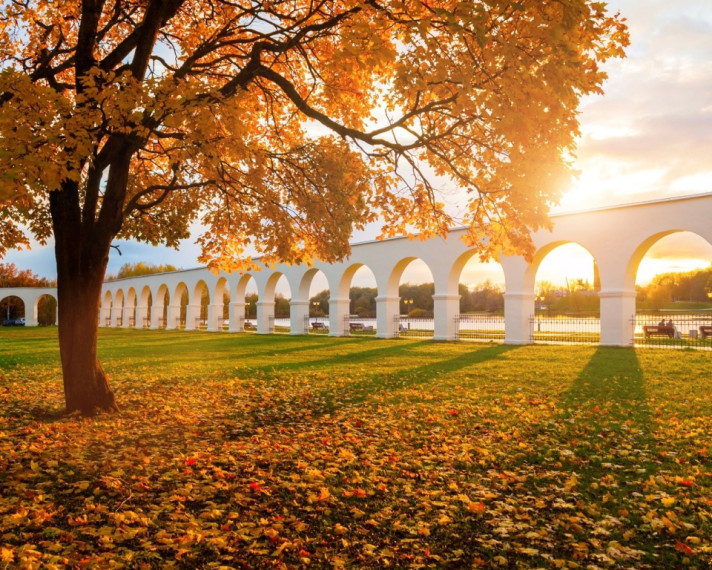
x,y
282,127
404,454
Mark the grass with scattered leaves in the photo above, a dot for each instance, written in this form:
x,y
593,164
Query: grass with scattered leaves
x,y
278,451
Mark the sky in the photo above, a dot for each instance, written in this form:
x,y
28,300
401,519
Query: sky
x,y
649,137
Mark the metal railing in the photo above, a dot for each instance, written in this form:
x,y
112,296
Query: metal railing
x,y
673,330
480,326
408,327
246,325
565,329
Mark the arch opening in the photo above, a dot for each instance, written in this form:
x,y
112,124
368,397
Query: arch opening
x,y
673,291
46,310
245,305
314,287
12,311
480,288
567,306
414,295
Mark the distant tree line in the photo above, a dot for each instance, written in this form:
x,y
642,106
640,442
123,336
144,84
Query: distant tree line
x,y
691,288
415,300
578,296
140,268
13,307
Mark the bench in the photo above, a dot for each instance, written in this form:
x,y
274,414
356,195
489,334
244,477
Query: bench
x,y
705,331
659,330
356,326
248,326
318,326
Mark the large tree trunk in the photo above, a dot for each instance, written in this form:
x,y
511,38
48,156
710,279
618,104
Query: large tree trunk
x,y
82,252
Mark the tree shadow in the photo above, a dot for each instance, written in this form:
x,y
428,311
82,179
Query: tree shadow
x,y
606,421
340,359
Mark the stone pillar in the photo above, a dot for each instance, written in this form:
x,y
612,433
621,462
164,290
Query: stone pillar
x,y
191,315
115,314
125,314
237,316
106,316
298,313
265,312
173,317
446,307
338,312
141,314
215,312
518,311
31,315
156,315
617,317
386,312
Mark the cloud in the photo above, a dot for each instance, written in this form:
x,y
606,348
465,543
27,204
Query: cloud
x,y
650,135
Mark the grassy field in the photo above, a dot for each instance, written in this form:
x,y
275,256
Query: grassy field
x,y
276,451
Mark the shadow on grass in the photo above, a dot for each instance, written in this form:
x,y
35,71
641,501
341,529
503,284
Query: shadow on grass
x,y
607,409
417,375
341,359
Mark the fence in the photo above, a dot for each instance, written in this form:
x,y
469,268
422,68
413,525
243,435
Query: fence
x,y
316,325
359,326
673,330
408,327
245,325
565,329
481,327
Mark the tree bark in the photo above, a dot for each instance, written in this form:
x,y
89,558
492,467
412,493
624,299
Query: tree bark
x,y
82,253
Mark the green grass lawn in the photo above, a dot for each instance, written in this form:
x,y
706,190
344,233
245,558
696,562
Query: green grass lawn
x,y
278,451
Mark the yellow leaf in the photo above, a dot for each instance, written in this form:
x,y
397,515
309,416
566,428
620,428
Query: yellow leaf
x,y
6,555
340,529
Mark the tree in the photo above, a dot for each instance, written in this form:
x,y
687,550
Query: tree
x,y
281,125
141,268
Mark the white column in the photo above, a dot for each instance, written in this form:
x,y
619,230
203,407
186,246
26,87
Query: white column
x,y
617,315
191,314
141,314
215,312
172,317
31,315
445,307
518,311
265,311
156,314
338,311
105,316
115,314
298,312
125,318
386,312
237,315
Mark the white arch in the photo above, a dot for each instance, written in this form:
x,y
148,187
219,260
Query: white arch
x,y
617,238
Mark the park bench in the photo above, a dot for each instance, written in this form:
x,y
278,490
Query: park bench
x,y
705,331
659,330
248,326
356,326
318,326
